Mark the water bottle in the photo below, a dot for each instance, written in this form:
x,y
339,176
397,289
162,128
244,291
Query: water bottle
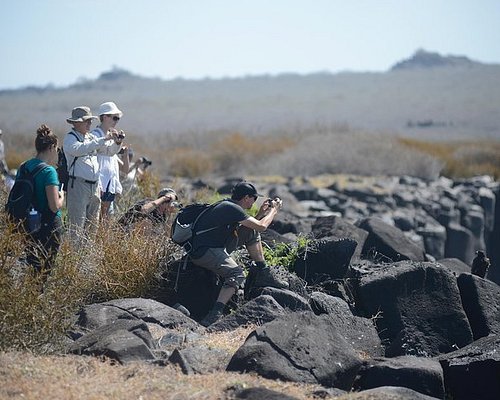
x,y
34,221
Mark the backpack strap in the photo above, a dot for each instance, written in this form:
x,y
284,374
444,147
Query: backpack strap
x,y
39,168
34,172
188,246
212,206
74,159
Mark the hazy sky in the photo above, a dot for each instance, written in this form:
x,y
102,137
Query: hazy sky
x,y
60,41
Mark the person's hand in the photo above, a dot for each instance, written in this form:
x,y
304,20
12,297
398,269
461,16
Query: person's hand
x,y
264,208
119,136
168,197
110,134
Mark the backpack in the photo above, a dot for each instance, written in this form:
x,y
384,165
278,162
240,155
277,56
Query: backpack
x,y
183,227
22,195
62,164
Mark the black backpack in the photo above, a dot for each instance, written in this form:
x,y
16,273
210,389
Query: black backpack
x,y
62,164
22,195
184,225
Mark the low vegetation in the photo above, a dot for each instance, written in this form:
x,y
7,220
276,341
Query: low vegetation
x,y
312,151
284,254
461,159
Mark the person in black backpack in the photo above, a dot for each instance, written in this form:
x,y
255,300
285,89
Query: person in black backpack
x,y
151,215
48,198
235,229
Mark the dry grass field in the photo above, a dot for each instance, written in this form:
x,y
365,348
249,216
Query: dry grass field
x,y
24,375
306,152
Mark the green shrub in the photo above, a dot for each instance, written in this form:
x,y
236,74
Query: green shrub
x,y
285,255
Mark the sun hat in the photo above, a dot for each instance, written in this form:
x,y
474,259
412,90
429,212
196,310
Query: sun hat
x,y
166,191
109,108
245,188
80,114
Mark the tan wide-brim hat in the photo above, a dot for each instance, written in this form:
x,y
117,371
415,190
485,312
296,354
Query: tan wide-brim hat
x,y
80,114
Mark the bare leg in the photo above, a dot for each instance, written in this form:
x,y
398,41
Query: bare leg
x,y
225,294
255,251
105,209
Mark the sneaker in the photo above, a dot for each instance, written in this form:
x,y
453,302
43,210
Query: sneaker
x,y
182,309
265,277
211,317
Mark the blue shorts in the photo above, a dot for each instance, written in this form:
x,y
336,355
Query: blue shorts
x,y
107,196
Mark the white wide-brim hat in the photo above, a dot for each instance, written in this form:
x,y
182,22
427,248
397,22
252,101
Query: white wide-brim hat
x,y
109,108
80,114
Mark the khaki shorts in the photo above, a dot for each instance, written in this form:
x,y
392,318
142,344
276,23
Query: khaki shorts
x,y
220,263
244,237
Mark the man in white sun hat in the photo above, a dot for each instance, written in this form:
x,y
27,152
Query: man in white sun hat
x,y
81,148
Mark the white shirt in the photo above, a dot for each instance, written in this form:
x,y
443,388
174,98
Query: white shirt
x,y
109,169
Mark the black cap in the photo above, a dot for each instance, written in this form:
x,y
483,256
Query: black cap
x,y
244,188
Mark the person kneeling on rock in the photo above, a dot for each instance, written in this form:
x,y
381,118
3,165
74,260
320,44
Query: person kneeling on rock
x,y
235,229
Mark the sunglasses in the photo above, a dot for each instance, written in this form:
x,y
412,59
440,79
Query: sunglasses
x,y
115,118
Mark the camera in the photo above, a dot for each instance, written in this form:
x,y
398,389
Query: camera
x,y
146,162
276,202
120,136
176,204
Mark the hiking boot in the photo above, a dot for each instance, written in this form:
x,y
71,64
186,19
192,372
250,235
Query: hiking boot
x,y
211,317
264,277
182,309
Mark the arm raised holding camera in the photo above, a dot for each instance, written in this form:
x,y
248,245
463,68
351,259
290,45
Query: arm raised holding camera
x,y
113,142
265,215
158,203
267,205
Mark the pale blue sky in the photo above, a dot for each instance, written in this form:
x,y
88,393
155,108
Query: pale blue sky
x,y
59,41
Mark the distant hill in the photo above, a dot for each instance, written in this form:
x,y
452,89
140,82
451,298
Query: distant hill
x,y
427,59
459,99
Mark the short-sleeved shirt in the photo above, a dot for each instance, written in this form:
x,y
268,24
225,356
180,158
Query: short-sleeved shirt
x,y
135,214
46,177
226,216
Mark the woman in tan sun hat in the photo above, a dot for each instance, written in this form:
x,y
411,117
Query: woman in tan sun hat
x,y
81,148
